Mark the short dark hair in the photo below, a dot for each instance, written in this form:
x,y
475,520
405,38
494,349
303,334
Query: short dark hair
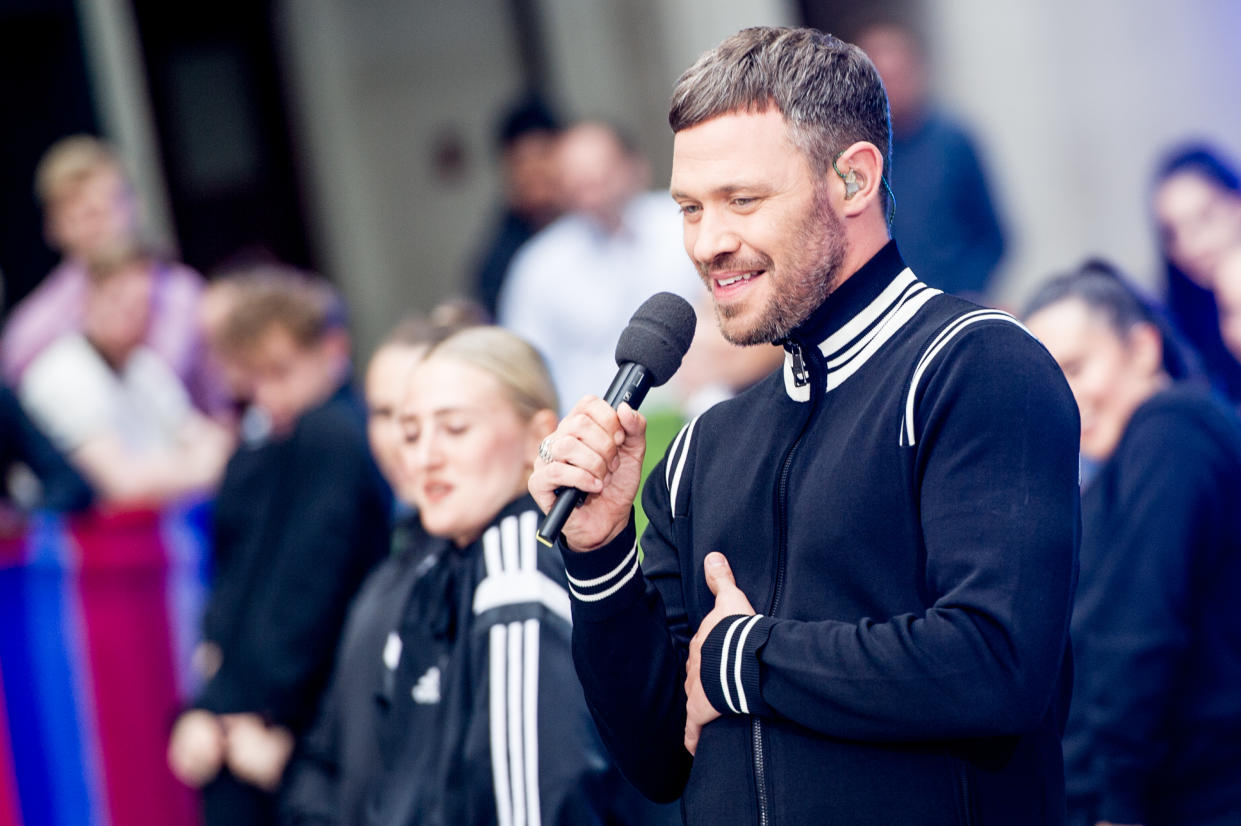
x,y
1106,290
828,91
529,115
1201,159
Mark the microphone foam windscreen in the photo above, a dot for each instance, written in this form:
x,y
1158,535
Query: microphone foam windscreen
x,y
658,335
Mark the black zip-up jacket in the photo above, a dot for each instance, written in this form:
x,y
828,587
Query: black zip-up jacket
x,y
900,505
1155,732
470,710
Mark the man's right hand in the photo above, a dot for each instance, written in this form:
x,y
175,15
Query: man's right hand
x,y
597,450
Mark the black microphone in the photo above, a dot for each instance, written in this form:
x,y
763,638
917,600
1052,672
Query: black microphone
x,y
648,352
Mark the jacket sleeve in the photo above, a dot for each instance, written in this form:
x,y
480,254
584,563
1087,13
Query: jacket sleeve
x,y
994,477
546,762
1136,634
631,637
308,794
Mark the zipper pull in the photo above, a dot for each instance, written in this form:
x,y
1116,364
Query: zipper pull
x,y
801,376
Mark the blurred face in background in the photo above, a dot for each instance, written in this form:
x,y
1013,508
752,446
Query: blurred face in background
x,y
287,378
1111,375
1199,222
598,176
387,379
532,176
898,58
467,452
118,312
92,213
1228,299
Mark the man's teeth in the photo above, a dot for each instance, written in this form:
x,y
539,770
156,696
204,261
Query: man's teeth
x,y
724,282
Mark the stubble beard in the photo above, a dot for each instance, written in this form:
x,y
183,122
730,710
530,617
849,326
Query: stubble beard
x,y
800,287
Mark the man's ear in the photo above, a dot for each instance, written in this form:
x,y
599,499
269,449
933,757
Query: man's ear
x,y
858,178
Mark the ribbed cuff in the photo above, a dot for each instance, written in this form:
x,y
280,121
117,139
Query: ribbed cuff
x,y
604,580
729,670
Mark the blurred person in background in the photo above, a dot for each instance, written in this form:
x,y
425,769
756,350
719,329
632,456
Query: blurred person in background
x,y
300,519
573,287
1228,298
945,218
60,487
113,405
527,139
90,208
338,759
1197,208
480,718
1155,722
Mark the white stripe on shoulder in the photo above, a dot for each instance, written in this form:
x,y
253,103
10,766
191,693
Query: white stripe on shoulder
x,y
528,526
498,707
522,588
510,549
672,453
675,485
908,436
491,550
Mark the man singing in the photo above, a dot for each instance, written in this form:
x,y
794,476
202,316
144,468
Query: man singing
x,y
854,603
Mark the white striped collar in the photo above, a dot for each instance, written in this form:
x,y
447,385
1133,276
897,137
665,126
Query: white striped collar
x,y
863,334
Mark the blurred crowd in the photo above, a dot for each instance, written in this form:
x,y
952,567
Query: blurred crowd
x,y
345,599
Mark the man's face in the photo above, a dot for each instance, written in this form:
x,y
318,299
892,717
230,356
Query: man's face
x,y
92,214
287,378
757,224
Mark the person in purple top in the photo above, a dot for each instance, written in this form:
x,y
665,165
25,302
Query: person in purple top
x,y
90,208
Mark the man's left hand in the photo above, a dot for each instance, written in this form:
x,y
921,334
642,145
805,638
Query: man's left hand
x,y
729,601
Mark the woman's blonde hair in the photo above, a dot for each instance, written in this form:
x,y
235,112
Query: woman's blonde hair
x,y
515,364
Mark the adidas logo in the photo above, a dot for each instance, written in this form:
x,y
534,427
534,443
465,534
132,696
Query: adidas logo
x,y
427,690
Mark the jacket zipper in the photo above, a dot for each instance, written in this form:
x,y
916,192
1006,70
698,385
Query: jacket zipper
x,y
801,377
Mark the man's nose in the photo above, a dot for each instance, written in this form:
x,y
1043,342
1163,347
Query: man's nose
x,y
712,237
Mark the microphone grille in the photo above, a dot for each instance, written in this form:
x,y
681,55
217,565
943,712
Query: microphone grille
x,y
658,335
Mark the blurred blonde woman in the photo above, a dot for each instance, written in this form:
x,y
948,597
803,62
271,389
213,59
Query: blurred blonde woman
x,y
480,718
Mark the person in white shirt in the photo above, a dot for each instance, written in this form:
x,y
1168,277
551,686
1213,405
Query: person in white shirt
x,y
573,287
113,406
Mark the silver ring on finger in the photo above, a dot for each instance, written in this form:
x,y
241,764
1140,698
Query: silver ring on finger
x,y
545,449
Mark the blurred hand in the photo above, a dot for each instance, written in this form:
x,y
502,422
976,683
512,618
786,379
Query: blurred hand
x,y
597,450
256,752
196,748
729,602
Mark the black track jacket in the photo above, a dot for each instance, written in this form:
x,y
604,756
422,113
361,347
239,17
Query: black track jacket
x,y
900,505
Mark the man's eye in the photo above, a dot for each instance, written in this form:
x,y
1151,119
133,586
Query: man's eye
x,y
690,209
744,202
